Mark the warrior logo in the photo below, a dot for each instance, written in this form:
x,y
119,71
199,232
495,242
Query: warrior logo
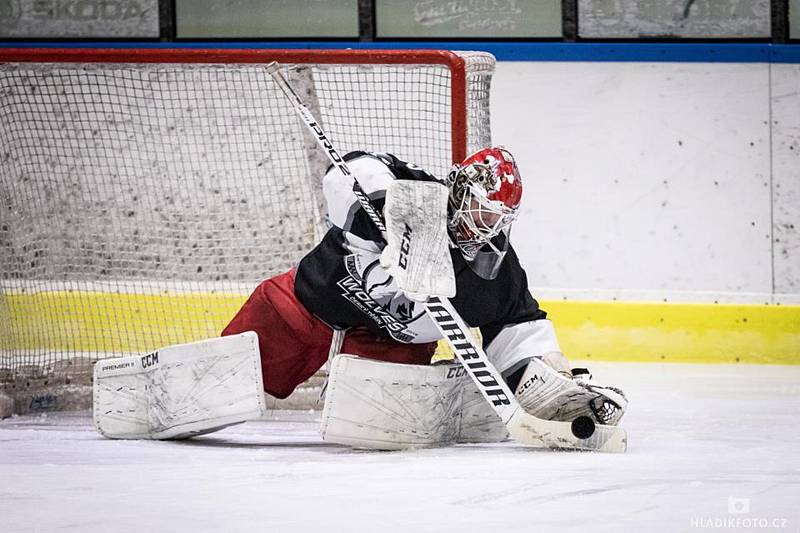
x,y
474,362
337,160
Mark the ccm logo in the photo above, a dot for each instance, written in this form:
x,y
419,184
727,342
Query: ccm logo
x,y
528,384
405,247
456,372
150,359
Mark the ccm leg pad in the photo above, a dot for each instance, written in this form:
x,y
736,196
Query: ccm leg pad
x,y
180,391
392,406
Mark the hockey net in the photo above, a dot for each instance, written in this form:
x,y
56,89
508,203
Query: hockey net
x,y
144,193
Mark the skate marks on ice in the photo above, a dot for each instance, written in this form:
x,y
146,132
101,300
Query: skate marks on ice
x,y
706,443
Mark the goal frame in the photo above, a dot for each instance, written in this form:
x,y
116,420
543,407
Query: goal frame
x,y
32,394
455,63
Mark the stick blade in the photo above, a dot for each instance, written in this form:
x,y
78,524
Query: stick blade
x,y
533,431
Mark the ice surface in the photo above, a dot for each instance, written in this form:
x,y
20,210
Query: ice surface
x,y
706,444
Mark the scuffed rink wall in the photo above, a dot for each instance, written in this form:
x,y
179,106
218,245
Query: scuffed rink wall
x,y
785,190
674,18
665,194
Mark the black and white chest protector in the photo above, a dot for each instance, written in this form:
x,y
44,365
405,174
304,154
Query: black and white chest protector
x,y
343,284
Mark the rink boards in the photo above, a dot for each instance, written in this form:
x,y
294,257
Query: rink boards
x,y
95,321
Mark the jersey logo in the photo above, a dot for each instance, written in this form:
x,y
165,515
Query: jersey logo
x,y
406,311
355,293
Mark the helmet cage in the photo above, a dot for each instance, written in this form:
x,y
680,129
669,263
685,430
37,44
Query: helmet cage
x,y
475,218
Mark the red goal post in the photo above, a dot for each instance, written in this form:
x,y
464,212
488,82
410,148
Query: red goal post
x,y
144,192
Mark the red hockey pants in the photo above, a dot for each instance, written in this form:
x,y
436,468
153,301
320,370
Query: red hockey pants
x,y
294,344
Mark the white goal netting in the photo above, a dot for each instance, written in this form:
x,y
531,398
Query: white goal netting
x,y
141,202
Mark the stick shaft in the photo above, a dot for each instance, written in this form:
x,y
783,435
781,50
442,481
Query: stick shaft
x,y
338,161
521,425
444,315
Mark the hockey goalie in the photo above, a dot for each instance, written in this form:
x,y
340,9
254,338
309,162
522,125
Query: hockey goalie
x,y
355,303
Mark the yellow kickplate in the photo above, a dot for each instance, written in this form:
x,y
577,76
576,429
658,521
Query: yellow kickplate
x,y
86,321
609,331
677,332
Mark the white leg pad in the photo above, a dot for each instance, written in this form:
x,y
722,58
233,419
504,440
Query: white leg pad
x,y
180,391
479,422
390,406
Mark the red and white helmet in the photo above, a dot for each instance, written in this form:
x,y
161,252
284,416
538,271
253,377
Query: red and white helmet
x,y
485,193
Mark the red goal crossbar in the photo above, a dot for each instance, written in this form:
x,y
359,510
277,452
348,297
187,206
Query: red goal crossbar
x,y
455,63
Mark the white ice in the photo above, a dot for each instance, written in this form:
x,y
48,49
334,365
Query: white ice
x,y
711,448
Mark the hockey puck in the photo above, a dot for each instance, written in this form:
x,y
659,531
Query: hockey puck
x,y
583,427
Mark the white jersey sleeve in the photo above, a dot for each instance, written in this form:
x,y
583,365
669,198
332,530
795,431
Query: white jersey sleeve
x,y
373,175
516,343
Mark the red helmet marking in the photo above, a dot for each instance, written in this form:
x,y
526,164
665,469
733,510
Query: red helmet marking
x,y
509,189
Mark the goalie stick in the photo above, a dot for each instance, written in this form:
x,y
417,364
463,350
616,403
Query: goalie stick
x,y
523,427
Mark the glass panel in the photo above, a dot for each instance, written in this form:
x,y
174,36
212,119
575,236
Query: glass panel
x,y
84,18
794,19
267,18
673,18
468,18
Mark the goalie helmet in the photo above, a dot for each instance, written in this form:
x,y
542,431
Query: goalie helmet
x,y
485,192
